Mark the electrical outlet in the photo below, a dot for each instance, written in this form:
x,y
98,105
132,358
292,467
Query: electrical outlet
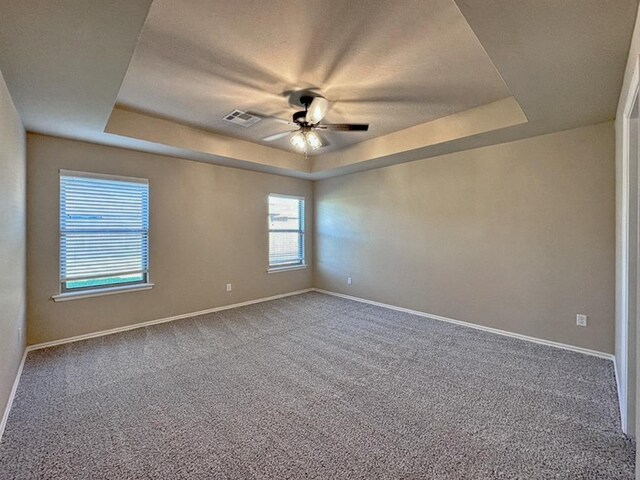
x,y
228,287
348,280
20,334
581,320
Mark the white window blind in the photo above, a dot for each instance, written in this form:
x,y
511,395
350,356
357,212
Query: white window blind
x,y
286,230
104,231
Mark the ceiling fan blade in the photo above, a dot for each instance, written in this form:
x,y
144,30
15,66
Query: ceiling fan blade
x,y
317,110
280,120
323,139
345,127
269,117
277,136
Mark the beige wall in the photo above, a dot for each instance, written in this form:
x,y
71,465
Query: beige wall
x,y
518,236
207,228
13,170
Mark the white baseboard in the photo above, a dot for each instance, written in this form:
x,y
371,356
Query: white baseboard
x,y
12,395
497,331
111,331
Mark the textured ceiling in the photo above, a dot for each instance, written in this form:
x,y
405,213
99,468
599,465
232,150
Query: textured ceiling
x,y
563,61
64,60
387,63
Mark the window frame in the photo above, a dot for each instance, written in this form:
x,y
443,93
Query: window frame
x,y
301,264
66,293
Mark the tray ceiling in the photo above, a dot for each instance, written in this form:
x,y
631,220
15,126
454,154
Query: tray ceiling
x,y
391,64
431,76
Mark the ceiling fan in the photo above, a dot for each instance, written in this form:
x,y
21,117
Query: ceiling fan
x,y
307,122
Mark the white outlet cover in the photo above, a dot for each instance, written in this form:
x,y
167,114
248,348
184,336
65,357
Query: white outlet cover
x,y
581,320
348,280
228,287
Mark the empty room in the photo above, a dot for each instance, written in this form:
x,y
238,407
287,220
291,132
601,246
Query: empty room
x,y
329,239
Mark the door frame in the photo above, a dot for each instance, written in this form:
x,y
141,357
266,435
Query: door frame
x,y
629,254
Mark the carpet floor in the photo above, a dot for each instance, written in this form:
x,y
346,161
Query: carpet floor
x,y
313,386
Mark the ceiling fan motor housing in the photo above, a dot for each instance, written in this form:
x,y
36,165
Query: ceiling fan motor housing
x,y
306,100
299,117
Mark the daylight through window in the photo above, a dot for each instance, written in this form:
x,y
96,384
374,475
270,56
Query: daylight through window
x,y
104,231
286,231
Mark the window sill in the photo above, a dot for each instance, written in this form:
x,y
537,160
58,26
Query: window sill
x,y
99,292
286,268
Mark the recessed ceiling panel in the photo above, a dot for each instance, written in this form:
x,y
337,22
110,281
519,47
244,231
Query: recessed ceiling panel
x,y
387,63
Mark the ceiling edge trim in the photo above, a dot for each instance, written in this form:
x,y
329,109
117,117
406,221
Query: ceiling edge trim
x,y
127,123
485,118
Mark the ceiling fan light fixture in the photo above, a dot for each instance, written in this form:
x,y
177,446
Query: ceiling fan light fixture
x,y
313,140
299,141
317,110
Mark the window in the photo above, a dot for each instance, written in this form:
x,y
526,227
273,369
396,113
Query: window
x,y
104,231
286,231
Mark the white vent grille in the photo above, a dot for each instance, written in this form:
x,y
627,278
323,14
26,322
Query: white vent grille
x,y
242,118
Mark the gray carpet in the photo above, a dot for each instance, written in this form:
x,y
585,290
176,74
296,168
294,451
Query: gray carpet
x,y
313,386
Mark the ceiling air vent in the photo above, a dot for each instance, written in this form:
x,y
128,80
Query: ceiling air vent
x,y
242,118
